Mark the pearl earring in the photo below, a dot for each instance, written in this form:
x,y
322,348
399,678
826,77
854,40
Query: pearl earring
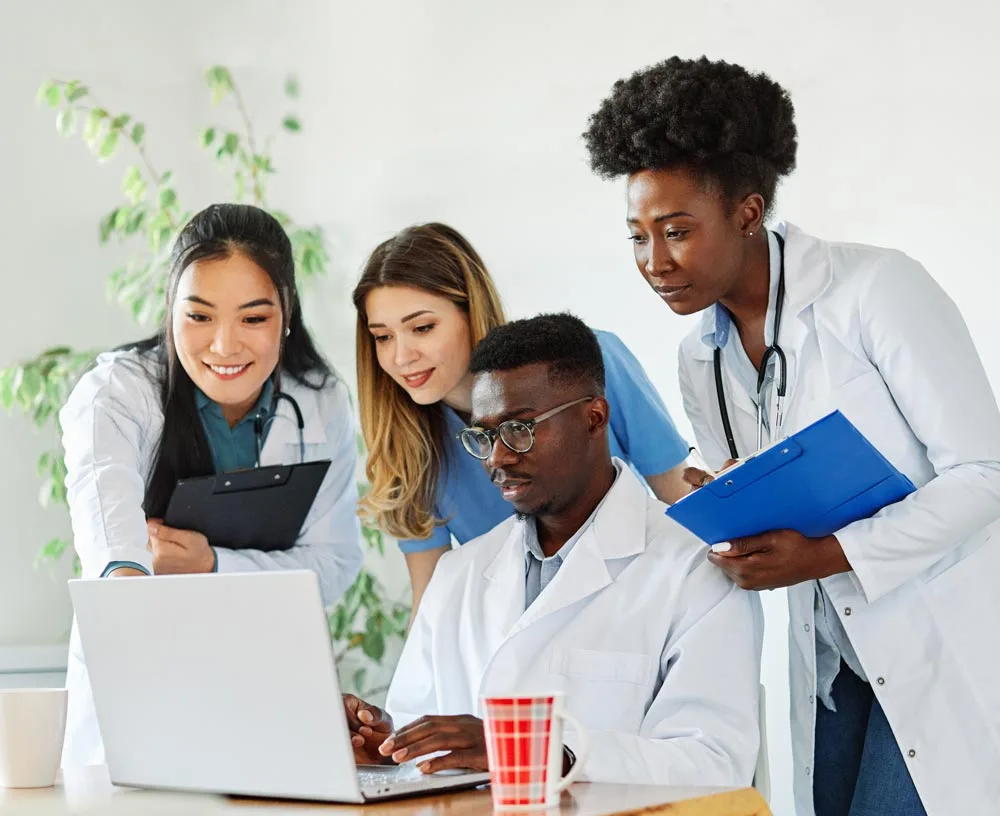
x,y
288,331
750,234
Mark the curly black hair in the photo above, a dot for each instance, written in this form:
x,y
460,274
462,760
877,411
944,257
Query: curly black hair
x,y
563,341
713,118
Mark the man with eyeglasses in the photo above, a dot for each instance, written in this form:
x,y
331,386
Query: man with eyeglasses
x,y
589,589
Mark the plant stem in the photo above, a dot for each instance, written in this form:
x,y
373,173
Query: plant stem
x,y
258,194
153,175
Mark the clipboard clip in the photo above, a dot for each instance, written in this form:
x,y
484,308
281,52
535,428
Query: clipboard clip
x,y
753,469
238,481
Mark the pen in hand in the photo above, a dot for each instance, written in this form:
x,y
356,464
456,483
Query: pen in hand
x,y
701,473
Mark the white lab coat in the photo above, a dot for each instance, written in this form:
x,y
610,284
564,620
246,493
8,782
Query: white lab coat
x,y
658,654
868,331
111,429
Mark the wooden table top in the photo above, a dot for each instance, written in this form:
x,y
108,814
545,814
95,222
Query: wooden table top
x,y
89,791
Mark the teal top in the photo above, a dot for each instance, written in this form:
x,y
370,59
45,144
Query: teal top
x,y
233,448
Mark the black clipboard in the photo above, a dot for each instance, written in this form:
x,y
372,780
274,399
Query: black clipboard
x,y
254,509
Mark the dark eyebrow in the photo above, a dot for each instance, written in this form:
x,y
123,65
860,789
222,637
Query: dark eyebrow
x,y
509,415
666,217
250,305
406,319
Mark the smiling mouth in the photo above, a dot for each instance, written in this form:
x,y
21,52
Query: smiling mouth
x,y
418,379
228,372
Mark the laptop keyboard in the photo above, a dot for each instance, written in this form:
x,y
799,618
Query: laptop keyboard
x,y
372,778
402,778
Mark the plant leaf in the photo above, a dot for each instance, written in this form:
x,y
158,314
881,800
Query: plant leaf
x,y
65,121
7,388
292,123
207,136
292,86
74,91
92,125
52,551
359,680
108,145
29,387
135,221
120,122
373,645
231,143
138,131
48,92
167,198
219,81
107,225
133,177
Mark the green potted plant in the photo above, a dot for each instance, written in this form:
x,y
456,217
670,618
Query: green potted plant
x,y
366,624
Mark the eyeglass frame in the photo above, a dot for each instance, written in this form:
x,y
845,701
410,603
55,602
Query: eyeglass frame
x,y
530,424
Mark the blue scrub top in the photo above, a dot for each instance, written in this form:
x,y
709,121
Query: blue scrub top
x,y
641,433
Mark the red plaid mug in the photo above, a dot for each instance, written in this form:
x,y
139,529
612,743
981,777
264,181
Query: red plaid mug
x,y
524,746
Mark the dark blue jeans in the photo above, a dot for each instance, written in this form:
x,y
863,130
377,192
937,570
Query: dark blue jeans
x,y
859,769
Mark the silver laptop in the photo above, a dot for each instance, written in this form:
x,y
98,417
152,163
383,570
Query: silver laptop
x,y
227,684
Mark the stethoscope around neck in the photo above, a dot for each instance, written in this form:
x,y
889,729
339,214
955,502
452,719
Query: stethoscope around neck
x,y
781,373
260,423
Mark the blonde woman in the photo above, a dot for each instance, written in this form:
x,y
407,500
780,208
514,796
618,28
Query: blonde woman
x,y
424,300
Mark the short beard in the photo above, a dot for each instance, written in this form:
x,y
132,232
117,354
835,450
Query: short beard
x,y
544,510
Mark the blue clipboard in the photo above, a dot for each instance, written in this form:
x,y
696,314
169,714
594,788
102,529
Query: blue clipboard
x,y
816,481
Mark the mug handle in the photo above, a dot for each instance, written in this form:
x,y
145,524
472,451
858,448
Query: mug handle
x,y
581,754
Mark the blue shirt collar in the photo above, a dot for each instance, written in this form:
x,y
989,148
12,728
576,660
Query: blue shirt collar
x,y
205,405
532,547
716,321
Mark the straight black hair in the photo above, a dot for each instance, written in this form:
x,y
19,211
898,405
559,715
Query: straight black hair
x,y
216,233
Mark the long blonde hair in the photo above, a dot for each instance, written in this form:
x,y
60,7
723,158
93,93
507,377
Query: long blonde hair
x,y
406,441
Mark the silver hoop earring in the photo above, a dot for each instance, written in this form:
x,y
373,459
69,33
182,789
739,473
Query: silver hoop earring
x,y
288,331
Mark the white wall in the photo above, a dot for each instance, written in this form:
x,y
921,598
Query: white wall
x,y
471,113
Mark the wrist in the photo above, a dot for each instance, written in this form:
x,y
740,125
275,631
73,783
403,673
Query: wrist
x,y
831,560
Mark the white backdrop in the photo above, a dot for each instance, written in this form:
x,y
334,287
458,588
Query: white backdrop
x,y
470,113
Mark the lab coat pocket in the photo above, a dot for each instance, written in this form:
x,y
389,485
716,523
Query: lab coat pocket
x,y
856,396
870,406
610,687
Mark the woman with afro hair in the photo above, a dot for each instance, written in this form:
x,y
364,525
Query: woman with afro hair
x,y
894,642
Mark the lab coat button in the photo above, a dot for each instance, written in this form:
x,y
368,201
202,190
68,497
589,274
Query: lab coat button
x,y
911,753
807,627
847,611
881,681
808,771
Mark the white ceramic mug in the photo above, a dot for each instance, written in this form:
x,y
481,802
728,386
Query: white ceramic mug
x,y
32,727
524,746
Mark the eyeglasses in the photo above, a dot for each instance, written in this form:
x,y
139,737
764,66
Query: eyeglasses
x,y
516,434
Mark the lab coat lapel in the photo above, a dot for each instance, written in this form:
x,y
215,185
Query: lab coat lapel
x,y
283,430
503,599
618,531
807,276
